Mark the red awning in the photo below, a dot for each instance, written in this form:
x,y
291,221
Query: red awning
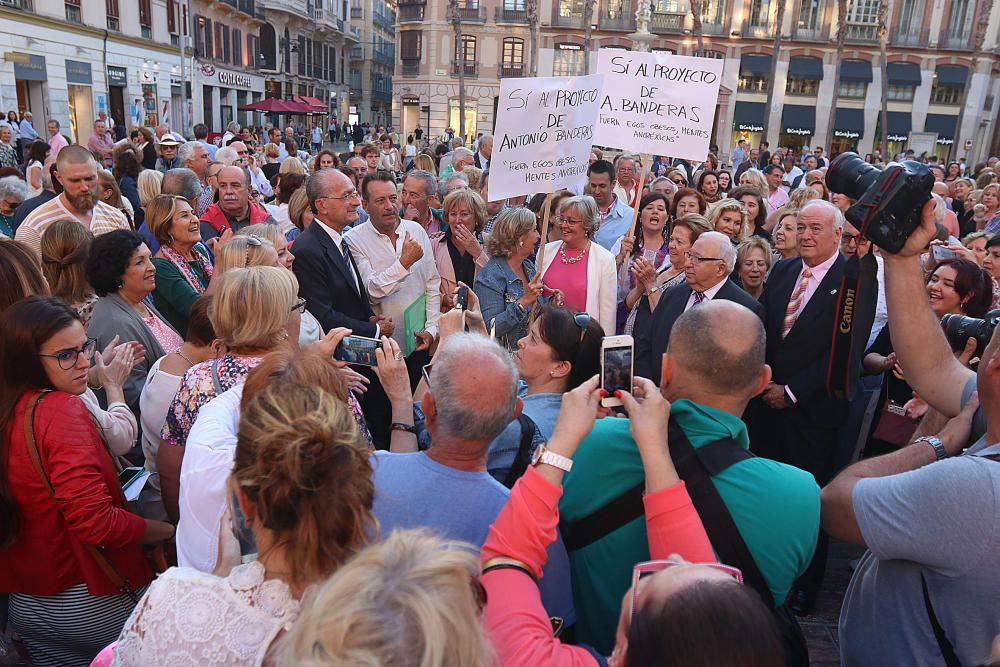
x,y
311,101
274,105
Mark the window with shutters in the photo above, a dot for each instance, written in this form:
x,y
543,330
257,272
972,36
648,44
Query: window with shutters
x,y
146,19
238,48
113,16
253,51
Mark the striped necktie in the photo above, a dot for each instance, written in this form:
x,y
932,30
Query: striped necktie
x,y
795,302
698,298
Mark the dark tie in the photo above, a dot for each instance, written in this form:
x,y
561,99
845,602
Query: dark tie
x,y
346,251
698,298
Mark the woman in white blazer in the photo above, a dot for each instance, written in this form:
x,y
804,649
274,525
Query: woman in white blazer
x,y
584,272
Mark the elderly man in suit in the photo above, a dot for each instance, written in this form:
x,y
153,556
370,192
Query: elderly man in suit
x,y
796,420
707,268
331,284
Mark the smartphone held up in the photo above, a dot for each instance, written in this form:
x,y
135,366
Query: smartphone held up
x,y
358,350
616,367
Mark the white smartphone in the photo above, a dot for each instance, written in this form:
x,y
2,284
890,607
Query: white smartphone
x,y
616,367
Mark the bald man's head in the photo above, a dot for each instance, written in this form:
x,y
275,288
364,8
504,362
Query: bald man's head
x,y
718,348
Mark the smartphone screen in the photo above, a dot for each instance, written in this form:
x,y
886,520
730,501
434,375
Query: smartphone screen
x,y
128,474
941,253
616,367
463,297
358,350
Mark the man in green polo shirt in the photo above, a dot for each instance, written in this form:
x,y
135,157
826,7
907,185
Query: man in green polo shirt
x,y
714,364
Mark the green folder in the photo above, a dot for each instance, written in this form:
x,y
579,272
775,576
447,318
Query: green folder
x,y
414,321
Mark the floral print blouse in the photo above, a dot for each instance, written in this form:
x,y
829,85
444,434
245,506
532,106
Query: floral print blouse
x,y
201,383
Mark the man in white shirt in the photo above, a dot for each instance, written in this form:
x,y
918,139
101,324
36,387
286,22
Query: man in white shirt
x,y
231,130
792,173
485,152
627,179
257,178
396,264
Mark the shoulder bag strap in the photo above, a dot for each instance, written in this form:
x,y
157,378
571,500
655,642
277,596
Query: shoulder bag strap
x,y
215,377
523,456
947,650
722,530
116,578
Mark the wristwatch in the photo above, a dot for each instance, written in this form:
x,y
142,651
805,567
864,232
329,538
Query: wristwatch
x,y
934,442
542,455
653,290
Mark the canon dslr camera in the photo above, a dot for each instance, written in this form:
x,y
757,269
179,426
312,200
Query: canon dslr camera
x,y
958,329
889,202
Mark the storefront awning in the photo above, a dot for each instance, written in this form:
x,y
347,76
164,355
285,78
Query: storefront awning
x,y
903,74
857,71
749,116
952,76
755,64
849,123
900,125
943,125
798,119
802,67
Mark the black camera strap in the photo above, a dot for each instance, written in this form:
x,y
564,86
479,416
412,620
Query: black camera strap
x,y
855,316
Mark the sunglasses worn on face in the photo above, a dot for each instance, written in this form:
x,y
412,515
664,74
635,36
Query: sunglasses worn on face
x,y
654,566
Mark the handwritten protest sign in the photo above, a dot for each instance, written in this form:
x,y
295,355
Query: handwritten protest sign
x,y
657,103
544,132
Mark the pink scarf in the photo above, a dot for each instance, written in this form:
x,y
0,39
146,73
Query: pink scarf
x,y
182,265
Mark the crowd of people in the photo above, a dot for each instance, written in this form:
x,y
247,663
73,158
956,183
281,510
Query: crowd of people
x,y
192,473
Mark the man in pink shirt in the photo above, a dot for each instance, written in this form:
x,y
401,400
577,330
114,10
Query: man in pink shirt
x,y
56,140
777,197
101,143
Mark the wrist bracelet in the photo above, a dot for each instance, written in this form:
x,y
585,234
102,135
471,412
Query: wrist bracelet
x,y
400,426
503,563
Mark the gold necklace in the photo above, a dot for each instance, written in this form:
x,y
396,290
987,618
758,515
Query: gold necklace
x,y
572,260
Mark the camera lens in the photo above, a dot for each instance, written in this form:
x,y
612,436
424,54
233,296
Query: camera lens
x,y
850,175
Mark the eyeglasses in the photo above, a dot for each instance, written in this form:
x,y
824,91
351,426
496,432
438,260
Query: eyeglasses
x,y
67,358
680,181
349,196
300,305
582,320
690,255
851,239
654,566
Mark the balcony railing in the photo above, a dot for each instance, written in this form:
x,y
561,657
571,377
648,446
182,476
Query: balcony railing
x,y
567,21
504,15
472,14
666,22
808,34
411,67
950,42
713,28
511,70
623,22
26,5
862,32
411,13
471,69
900,39
357,53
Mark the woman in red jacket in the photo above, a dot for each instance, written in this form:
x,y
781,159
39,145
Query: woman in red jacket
x,y
70,553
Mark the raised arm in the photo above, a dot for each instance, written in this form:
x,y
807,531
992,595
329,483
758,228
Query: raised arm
x,y
919,343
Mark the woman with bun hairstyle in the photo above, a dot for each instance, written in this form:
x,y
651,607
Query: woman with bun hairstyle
x,y
297,456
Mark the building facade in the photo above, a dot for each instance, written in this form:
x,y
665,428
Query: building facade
x,y
494,45
929,66
305,50
68,60
373,60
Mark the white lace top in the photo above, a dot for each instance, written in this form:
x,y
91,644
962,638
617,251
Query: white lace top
x,y
188,617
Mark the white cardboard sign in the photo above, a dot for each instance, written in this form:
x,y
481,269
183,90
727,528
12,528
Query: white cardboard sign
x,y
544,133
657,103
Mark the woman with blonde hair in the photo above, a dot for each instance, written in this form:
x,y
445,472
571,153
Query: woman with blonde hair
x,y
474,174
425,162
458,248
755,178
111,194
292,165
786,234
296,457
65,247
413,600
729,217
253,311
299,212
243,251
149,185
753,261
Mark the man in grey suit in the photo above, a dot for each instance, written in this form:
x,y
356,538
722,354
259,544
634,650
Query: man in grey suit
x,y
707,267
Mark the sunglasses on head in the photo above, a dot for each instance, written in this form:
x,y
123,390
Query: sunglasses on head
x,y
582,320
654,566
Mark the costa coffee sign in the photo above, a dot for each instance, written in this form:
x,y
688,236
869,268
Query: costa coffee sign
x,y
235,79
